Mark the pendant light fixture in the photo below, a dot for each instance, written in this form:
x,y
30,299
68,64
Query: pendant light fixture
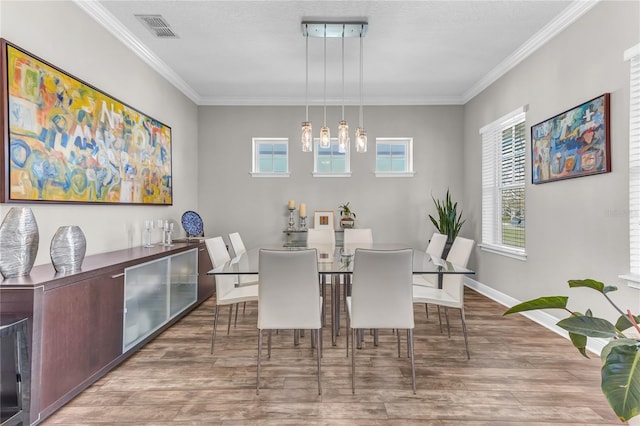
x,y
343,126
361,133
333,29
307,134
325,134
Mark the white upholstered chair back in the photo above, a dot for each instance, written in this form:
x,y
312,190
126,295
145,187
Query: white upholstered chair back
x,y
358,238
436,244
381,293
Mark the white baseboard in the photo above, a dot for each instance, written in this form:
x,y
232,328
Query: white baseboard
x,y
544,319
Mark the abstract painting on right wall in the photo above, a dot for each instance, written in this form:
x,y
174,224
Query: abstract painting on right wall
x,y
572,144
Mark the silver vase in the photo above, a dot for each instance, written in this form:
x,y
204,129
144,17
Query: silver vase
x,y
19,240
68,247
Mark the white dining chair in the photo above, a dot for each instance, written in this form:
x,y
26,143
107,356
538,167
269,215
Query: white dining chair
x,y
289,297
357,238
227,293
381,298
451,295
434,249
354,238
324,240
321,237
245,279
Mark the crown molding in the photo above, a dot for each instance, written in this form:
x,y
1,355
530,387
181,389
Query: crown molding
x,y
297,101
549,31
101,15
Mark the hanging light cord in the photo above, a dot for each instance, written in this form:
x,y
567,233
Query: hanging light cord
x,y
306,82
325,75
361,72
343,72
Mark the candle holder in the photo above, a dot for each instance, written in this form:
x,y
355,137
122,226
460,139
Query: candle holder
x,y
303,223
292,224
146,235
166,237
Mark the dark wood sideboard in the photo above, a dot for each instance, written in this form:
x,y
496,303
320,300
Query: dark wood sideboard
x,y
76,321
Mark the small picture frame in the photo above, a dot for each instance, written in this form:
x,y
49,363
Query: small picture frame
x,y
323,219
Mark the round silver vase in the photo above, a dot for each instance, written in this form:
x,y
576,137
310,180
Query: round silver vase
x,y
19,240
68,247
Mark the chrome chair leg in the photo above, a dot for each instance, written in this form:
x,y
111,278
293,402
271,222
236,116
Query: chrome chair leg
x,y
464,330
353,362
259,351
215,323
269,344
439,319
347,334
230,316
318,334
446,315
398,339
413,364
235,321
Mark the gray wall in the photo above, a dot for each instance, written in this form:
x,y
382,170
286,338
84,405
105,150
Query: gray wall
x,y
62,34
576,228
396,208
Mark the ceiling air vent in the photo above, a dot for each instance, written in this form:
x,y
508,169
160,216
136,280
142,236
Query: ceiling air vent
x,y
157,25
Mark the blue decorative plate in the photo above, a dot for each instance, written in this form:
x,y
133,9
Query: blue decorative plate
x,y
192,224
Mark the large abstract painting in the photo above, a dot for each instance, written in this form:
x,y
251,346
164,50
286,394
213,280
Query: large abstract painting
x,y
572,144
66,141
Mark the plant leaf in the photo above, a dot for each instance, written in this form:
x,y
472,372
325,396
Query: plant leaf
x,y
580,342
593,284
621,378
547,302
588,326
623,322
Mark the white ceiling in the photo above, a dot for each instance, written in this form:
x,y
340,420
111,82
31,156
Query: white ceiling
x,y
415,52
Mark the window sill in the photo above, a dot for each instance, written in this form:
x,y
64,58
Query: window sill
x,y
633,280
504,251
270,175
395,174
331,175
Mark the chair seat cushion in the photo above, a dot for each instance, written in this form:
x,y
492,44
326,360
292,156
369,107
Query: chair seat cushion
x,y
426,280
434,296
239,295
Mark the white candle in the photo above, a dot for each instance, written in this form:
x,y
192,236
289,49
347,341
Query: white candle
x,y
303,210
292,204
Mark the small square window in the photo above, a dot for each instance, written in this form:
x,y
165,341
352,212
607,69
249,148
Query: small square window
x,y
330,162
394,157
270,157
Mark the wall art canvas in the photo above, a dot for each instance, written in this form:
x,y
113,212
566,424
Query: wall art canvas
x,y
67,141
572,144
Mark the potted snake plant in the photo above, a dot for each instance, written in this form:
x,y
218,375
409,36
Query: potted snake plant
x,y
448,220
620,357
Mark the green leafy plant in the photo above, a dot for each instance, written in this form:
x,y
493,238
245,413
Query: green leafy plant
x,y
448,221
345,210
620,357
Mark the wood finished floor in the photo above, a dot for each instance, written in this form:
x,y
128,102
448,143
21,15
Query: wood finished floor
x,y
519,373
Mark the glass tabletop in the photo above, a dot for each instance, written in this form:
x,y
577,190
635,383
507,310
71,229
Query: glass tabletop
x,y
339,260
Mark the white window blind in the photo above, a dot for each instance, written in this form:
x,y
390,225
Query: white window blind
x,y
633,56
503,179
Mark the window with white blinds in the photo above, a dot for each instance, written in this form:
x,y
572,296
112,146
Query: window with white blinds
x,y
633,56
503,177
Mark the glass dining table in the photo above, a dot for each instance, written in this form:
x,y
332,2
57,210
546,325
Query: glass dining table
x,y
336,263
